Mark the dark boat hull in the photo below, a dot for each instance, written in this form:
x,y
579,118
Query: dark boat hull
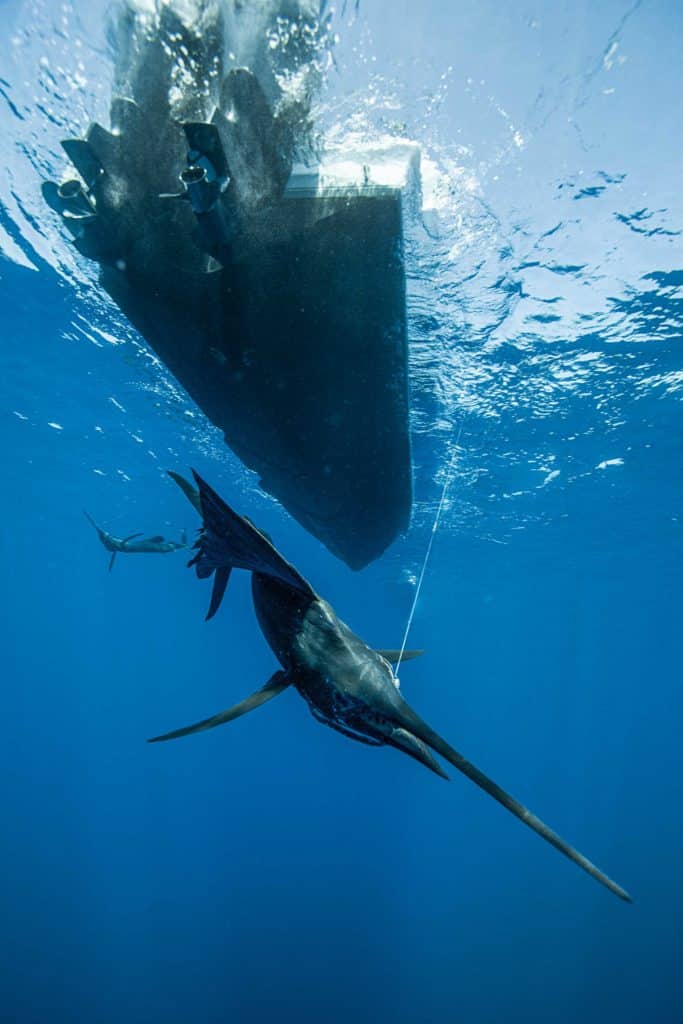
x,y
298,354
281,311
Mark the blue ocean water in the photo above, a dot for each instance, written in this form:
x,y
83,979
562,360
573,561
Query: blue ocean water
x,y
274,869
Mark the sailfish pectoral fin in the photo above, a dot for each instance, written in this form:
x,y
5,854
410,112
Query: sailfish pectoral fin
x,y
409,744
111,560
428,736
275,685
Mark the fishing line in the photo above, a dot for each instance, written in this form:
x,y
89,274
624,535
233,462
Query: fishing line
x,y
435,527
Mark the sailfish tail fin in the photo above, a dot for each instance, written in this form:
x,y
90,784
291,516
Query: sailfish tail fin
x,y
190,492
229,541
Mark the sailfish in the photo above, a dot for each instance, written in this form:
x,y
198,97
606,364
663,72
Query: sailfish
x,y
156,545
347,685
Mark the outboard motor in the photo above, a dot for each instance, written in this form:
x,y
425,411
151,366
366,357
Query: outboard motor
x,y
204,181
72,201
